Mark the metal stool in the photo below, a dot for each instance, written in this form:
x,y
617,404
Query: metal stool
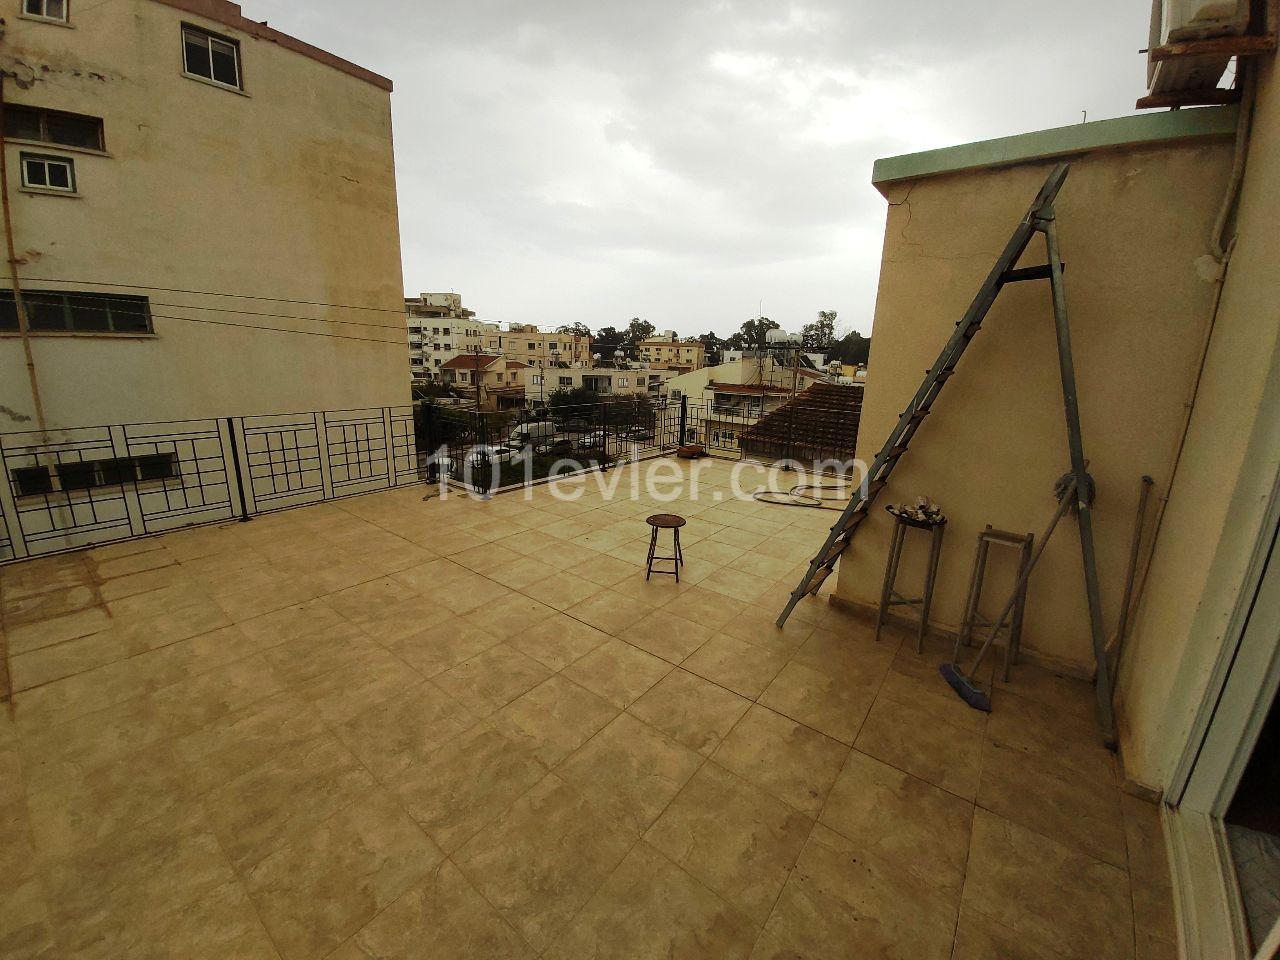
x,y
1023,542
664,521
889,597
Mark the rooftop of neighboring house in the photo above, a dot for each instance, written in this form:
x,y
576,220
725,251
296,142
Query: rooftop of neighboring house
x,y
470,361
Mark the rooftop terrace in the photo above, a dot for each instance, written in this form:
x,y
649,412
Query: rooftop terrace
x,y
383,727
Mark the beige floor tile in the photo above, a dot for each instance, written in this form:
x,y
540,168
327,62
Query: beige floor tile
x,y
331,880
520,573
262,810
784,758
53,605
758,626
468,782
631,770
34,634
666,635
854,656
1070,742
404,730
484,558
1078,812
1049,895
555,718
60,660
363,683
979,938
712,610
902,820
25,933
365,601
509,616
558,641
931,739
649,909
605,571
690,710
742,667
734,837
241,741
492,679
562,590
211,695
310,655
442,646
736,584
618,672
609,611
839,904
299,622
830,704
445,912
541,861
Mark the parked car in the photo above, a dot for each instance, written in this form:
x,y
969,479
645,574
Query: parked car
x,y
559,447
573,425
638,434
592,441
538,433
482,453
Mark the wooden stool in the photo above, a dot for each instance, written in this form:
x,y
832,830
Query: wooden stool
x,y
664,521
1024,542
889,597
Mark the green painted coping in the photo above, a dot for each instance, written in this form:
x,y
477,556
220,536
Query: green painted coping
x,y
1159,127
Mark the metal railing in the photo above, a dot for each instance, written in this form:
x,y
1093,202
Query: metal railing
x,y
74,488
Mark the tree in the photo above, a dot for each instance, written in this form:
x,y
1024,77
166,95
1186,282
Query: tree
x,y
575,329
712,346
821,334
752,334
853,348
609,337
638,330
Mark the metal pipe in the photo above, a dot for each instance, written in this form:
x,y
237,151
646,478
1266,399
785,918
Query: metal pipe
x,y
1122,629
19,303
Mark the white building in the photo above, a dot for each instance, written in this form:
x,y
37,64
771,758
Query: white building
x,y
439,329
540,383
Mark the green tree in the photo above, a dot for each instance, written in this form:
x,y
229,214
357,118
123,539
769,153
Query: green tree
x,y
575,329
821,334
638,330
752,334
609,337
853,347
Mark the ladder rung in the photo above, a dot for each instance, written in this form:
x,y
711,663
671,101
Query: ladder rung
x,y
921,414
972,331
896,452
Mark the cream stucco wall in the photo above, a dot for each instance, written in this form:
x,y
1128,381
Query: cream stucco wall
x,y
1133,221
1224,483
285,191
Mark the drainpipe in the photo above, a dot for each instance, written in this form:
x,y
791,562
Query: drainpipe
x,y
19,303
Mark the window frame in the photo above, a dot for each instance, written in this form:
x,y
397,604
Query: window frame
x,y
44,137
210,38
141,305
24,157
44,5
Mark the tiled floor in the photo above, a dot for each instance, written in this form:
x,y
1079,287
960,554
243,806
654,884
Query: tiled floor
x,y
392,728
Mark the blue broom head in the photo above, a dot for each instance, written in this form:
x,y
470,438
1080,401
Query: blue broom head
x,y
965,688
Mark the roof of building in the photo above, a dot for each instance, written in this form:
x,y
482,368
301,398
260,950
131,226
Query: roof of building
x,y
229,15
1167,126
753,389
516,364
469,361
819,422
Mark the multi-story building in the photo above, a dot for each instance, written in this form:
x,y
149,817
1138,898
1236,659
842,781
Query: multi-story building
x,y
495,381
204,210
669,351
541,382
537,348
440,328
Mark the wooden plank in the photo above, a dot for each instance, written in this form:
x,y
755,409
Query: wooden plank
x,y
1189,98
1245,46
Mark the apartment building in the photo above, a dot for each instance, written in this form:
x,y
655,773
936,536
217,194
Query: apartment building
x,y
537,348
496,382
204,210
439,329
540,382
669,351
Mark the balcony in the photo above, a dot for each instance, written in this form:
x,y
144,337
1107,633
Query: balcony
x,y
354,728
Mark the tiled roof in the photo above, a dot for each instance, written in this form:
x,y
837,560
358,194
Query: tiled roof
x,y
469,361
818,423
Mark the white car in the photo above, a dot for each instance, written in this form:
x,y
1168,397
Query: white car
x,y
592,441
482,453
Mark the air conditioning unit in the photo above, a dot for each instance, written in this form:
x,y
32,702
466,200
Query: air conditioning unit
x,y
1174,21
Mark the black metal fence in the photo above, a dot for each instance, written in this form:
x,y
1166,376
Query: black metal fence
x,y
66,489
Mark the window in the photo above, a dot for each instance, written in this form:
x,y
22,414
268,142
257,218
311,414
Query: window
x,y
533,347
415,361
58,311
554,346
48,173
435,331
537,379
53,126
210,56
46,9
448,346
566,381
622,382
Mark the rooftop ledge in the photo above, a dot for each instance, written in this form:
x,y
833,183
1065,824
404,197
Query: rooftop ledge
x,y
1141,128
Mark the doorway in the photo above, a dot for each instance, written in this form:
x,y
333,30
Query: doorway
x,y
1253,832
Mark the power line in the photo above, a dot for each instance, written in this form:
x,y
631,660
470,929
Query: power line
x,y
254,326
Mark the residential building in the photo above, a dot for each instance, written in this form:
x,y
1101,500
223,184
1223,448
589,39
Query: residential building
x,y
205,210
497,381
537,348
440,328
727,398
669,351
541,382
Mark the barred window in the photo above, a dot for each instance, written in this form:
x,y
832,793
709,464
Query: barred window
x,y
70,312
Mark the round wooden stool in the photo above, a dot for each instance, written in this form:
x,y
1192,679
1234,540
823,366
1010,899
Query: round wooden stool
x,y
664,521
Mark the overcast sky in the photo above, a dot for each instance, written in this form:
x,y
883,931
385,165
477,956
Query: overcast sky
x,y
684,160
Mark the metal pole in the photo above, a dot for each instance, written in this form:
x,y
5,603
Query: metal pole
x,y
1123,628
1106,718
684,419
19,304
